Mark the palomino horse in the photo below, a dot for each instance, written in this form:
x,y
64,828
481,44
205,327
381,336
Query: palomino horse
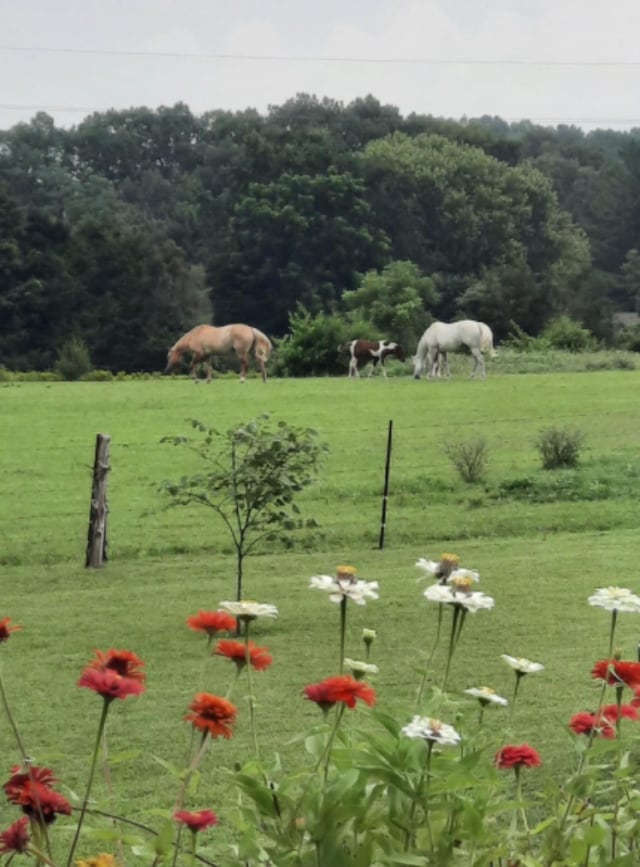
x,y
370,352
443,337
203,341
442,365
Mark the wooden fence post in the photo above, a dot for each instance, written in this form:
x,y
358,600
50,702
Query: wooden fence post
x,y
385,494
97,536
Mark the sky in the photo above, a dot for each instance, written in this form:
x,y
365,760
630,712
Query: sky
x,y
548,61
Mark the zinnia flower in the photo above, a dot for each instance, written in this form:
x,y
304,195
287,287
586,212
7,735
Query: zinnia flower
x,y
446,594
6,629
429,729
32,791
617,673
247,610
615,599
109,684
585,723
521,665
212,622
196,821
16,837
212,714
342,688
360,669
123,662
522,756
345,586
486,695
259,657
101,860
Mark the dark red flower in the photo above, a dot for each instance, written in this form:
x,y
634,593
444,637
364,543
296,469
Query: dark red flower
x,y
32,791
123,662
196,821
16,837
109,684
585,723
617,672
114,674
212,714
521,756
259,657
6,629
611,712
342,688
212,622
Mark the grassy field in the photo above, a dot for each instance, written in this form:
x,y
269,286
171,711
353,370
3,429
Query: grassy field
x,y
542,542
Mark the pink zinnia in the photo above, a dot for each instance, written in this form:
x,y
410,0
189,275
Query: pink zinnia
x,y
196,821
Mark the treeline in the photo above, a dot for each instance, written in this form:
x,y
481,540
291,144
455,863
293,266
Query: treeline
x,y
317,218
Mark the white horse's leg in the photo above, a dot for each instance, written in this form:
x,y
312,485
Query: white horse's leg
x,y
478,363
433,362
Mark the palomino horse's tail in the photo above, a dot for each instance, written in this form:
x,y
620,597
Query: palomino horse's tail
x,y
262,346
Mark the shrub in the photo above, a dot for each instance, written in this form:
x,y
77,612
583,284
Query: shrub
x,y
98,376
73,360
469,457
564,333
559,447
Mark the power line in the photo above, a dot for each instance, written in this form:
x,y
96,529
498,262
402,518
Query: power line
x,y
293,58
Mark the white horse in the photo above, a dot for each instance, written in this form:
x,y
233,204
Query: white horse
x,y
441,368
443,337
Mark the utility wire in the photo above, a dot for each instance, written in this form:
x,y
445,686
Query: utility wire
x,y
292,58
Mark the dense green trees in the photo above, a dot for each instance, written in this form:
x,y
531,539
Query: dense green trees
x,y
316,220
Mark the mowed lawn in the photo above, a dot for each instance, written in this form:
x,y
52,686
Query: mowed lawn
x,y
540,557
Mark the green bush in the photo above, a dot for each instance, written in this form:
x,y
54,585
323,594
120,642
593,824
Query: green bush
x,y
564,333
559,447
98,376
470,458
74,361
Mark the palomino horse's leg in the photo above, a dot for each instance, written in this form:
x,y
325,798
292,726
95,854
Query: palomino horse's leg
x,y
262,366
244,365
194,366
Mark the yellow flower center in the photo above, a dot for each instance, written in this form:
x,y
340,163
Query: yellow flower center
x,y
451,560
346,571
462,585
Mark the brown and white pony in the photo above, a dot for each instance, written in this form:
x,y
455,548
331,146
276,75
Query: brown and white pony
x,y
371,352
203,341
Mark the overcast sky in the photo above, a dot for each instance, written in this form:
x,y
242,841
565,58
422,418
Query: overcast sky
x,y
551,61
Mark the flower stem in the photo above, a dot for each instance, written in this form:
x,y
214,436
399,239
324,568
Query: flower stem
x,y
423,682
252,720
343,629
519,676
103,719
452,644
614,615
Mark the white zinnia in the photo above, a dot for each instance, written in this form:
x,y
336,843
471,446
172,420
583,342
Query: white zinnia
x,y
350,588
246,610
358,667
474,601
440,593
428,729
616,599
522,665
469,574
486,695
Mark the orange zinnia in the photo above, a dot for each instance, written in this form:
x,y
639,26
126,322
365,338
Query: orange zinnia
x,y
109,684
617,672
196,821
259,657
6,629
342,688
212,714
31,791
212,622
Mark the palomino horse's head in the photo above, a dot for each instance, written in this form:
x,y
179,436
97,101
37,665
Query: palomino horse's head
x,y
174,357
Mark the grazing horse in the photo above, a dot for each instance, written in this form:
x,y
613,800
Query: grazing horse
x,y
203,341
441,366
443,337
370,352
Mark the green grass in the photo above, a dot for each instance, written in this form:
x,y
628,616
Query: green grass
x,y
540,555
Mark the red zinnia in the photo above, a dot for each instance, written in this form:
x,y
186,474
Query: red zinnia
x,y
6,629
114,674
521,756
109,684
611,712
210,713
259,657
16,837
31,791
617,673
123,662
342,688
212,622
585,723
196,821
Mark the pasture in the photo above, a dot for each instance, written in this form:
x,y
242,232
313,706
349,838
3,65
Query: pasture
x,y
542,542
